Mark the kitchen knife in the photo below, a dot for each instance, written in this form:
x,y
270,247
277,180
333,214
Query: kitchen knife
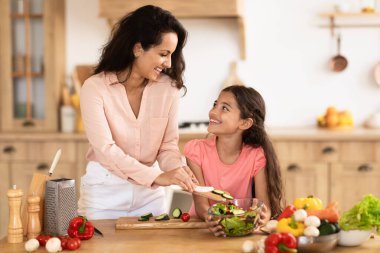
x,y
206,192
55,162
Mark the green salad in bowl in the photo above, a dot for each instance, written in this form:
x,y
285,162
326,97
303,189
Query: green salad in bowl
x,y
238,217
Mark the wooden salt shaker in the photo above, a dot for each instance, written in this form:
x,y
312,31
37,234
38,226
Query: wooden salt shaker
x,y
15,232
34,224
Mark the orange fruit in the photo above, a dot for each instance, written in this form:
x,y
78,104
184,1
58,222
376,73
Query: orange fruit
x,y
331,110
332,120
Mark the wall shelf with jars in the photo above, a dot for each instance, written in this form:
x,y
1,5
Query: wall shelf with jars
x,y
31,64
365,11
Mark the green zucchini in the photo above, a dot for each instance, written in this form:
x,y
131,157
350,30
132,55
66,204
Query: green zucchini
x,y
147,215
219,192
227,196
143,219
163,216
177,213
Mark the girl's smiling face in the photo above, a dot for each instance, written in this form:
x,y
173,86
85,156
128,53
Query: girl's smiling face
x,y
225,116
150,63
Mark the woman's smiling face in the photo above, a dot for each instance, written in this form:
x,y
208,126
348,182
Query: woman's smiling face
x,y
150,63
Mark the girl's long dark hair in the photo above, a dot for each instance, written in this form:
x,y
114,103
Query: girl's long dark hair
x,y
252,105
145,25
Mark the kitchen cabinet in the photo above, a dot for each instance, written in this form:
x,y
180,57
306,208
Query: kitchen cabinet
x,y
22,155
305,167
31,64
4,186
350,181
333,165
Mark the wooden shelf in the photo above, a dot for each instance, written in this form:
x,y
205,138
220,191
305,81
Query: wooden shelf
x,y
356,15
350,14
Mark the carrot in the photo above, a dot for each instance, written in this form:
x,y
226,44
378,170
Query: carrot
x,y
330,213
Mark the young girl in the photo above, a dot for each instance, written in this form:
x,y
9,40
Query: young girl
x,y
239,157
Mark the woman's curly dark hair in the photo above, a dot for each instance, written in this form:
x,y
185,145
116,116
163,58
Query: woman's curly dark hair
x,y
145,25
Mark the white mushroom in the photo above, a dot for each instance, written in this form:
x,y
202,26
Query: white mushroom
x,y
271,225
300,215
31,245
248,246
311,231
312,221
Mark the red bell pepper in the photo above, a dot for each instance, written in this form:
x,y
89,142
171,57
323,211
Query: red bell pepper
x,y
81,228
281,243
287,212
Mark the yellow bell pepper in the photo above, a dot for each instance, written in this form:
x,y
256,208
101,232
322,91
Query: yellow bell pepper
x,y
309,203
290,225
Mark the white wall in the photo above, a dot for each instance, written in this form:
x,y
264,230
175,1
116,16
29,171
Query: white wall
x,y
287,58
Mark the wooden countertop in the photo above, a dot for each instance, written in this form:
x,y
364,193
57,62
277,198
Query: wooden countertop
x,y
277,134
169,240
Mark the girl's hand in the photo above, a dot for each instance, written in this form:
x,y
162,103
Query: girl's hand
x,y
214,226
264,215
178,176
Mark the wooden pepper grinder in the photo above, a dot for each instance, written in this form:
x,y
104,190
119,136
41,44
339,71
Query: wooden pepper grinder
x,y
34,224
15,232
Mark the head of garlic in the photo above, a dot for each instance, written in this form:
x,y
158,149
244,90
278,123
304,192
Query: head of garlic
x,y
53,245
31,245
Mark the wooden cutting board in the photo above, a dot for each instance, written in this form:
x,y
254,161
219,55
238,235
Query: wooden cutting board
x,y
133,223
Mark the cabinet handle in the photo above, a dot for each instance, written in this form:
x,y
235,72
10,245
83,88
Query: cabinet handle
x,y
365,168
9,150
328,150
42,166
293,167
28,123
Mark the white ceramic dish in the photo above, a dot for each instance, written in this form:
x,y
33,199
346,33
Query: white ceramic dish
x,y
353,237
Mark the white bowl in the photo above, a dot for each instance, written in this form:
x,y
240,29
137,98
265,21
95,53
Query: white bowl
x,y
353,237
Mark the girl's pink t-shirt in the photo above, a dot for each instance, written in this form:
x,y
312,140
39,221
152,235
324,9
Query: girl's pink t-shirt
x,y
234,178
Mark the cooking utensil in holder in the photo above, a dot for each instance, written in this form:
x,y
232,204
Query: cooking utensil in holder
x,y
60,205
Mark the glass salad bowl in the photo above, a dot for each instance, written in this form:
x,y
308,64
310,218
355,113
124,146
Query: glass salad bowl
x,y
238,217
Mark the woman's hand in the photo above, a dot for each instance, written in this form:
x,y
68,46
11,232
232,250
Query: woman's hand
x,y
181,176
214,226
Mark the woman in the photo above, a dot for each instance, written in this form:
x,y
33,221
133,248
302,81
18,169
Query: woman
x,y
129,109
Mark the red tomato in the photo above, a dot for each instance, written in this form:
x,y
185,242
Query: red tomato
x,y
185,217
42,239
73,243
64,240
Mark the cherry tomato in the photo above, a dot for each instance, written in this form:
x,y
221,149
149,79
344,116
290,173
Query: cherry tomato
x,y
64,240
42,239
73,243
185,217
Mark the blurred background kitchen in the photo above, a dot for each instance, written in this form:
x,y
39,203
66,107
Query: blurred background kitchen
x,y
281,48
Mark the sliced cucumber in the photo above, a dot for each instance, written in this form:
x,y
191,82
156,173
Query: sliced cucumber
x,y
227,196
146,216
219,192
177,213
163,216
238,212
